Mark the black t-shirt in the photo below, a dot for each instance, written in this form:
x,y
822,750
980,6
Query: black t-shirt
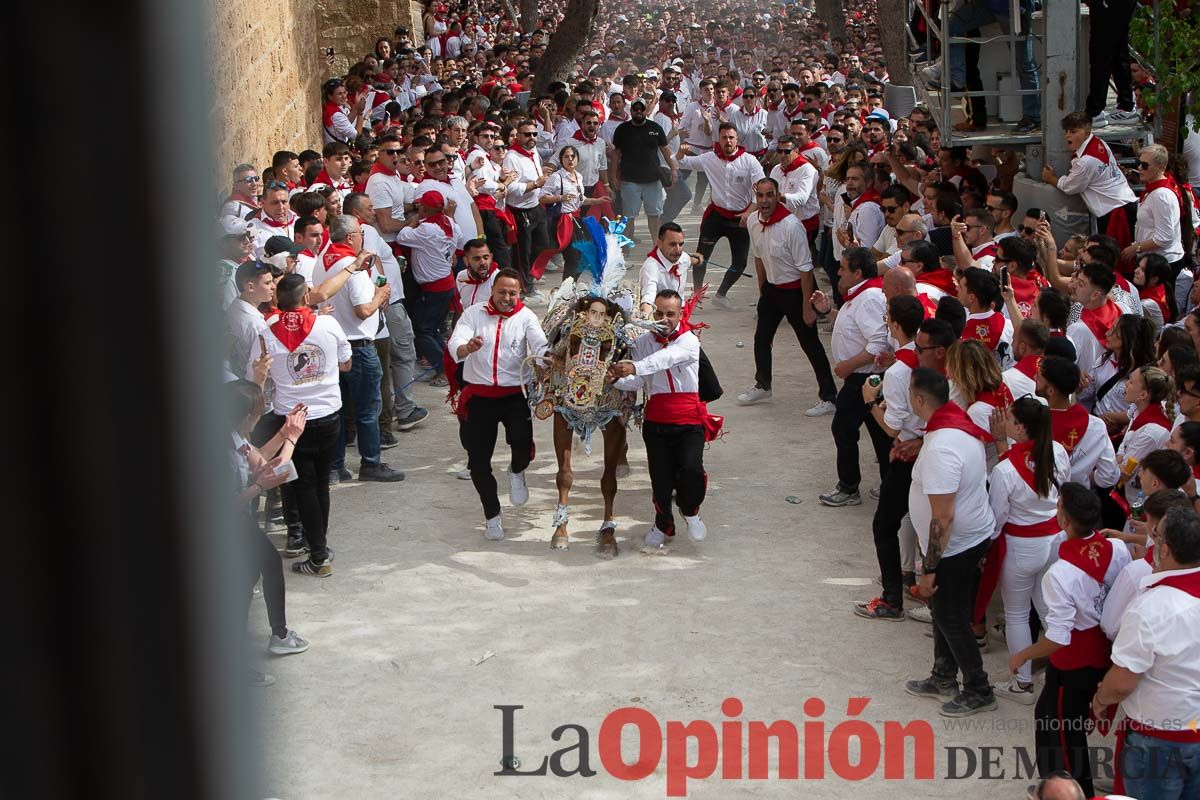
x,y
639,147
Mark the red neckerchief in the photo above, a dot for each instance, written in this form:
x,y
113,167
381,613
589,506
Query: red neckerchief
x,y
791,113
777,214
725,107
1151,415
245,199
683,328
1165,182
810,146
951,416
908,356
749,113
1020,455
495,312
736,154
1025,290
336,252
1028,366
329,110
987,330
671,268
1096,149
293,327
380,169
929,304
1189,583
1100,320
873,283
516,148
1091,554
1000,397
1068,425
1159,295
473,281
799,162
323,177
869,196
265,220
442,221
579,137
984,250
939,279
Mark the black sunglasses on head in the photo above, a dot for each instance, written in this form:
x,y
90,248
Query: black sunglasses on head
x,y
275,185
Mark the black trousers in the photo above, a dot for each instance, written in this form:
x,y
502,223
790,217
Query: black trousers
x,y
269,425
676,458
713,228
976,107
893,505
315,452
478,434
1108,54
954,647
532,238
497,238
828,262
270,566
1061,711
775,305
848,417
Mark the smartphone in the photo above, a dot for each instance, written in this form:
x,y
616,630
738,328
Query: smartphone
x,y
849,230
1004,276
1041,216
287,470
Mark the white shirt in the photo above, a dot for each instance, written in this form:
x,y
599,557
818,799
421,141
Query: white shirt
x,y
455,190
749,127
898,414
669,126
506,345
656,275
1019,383
521,194
593,159
389,191
731,182
471,293
358,290
264,228
886,243
374,242
1146,439
1158,222
237,208
1124,589
799,189
245,322
431,249
225,283
861,325
561,183
1159,640
782,122
1093,462
343,187
308,374
1098,180
866,221
1075,600
1014,501
952,461
659,368
610,125
984,261
692,126
1089,351
782,247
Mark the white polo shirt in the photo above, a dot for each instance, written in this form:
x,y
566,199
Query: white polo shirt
x,y
798,187
782,247
731,182
1160,640
456,190
308,374
952,461
898,413
358,290
389,192
861,324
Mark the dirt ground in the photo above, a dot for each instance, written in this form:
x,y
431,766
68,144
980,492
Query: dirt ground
x,y
391,702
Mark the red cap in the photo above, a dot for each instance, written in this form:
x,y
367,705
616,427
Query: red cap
x,y
432,199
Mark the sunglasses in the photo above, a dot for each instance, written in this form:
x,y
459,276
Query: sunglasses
x,y
889,209
251,179
783,152
275,185
435,162
526,133
391,152
1028,231
920,349
1143,165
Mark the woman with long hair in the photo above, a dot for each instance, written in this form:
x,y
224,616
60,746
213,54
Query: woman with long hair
x,y
976,385
1147,390
563,192
1156,288
1129,344
1023,489
341,122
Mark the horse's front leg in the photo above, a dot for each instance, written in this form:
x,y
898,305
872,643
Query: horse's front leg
x,y
564,480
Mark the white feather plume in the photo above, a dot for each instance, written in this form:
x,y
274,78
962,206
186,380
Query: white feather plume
x,y
614,269
567,289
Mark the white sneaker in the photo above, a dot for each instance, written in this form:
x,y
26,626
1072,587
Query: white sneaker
x,y
696,529
753,395
655,538
874,493
518,492
822,409
921,615
288,645
1013,690
933,72
1121,115
534,297
721,301
463,474
1100,120
494,530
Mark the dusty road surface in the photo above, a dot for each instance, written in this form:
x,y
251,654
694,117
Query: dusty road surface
x,y
425,626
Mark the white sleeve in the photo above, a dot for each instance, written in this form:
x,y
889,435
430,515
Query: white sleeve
x,y
1060,608
535,338
463,333
342,127
875,309
1133,648
1106,472
895,393
694,163
999,492
649,284
940,476
344,350
668,357
1081,174
1119,596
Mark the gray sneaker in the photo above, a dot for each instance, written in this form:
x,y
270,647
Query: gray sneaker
x,y
288,645
839,497
928,687
415,418
968,703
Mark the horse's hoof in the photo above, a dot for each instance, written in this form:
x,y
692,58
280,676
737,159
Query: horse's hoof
x,y
606,545
623,470
558,542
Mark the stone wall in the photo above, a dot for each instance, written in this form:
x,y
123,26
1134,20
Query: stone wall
x,y
267,63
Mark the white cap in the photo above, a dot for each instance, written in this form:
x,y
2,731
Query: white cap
x,y
234,226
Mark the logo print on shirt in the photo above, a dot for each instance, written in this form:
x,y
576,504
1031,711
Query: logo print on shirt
x,y
306,364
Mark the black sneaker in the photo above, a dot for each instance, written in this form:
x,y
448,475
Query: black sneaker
x,y
1027,125
296,546
968,703
309,567
387,440
928,687
345,474
878,609
380,472
414,419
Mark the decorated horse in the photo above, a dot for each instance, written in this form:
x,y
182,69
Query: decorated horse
x,y
589,325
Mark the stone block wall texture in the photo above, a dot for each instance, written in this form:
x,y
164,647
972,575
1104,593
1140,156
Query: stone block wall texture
x,y
267,63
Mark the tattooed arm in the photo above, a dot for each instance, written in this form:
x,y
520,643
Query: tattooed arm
x,y
940,524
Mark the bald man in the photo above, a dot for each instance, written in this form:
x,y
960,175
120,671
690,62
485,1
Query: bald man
x,y
1058,788
902,281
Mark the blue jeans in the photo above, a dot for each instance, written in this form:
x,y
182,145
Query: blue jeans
x,y
428,314
975,15
1155,769
361,383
